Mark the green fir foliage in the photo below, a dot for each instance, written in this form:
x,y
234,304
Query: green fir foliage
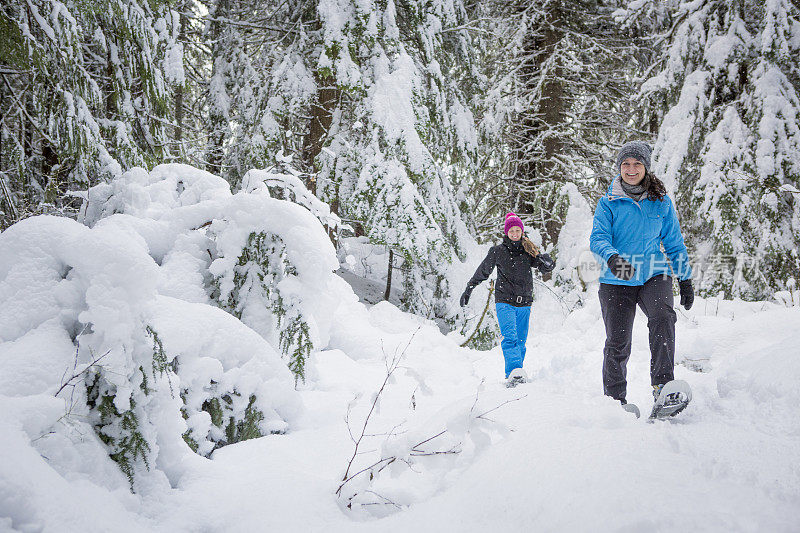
x,y
161,362
262,265
296,344
90,98
120,432
222,411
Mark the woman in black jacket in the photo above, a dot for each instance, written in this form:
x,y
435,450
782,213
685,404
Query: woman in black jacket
x,y
514,258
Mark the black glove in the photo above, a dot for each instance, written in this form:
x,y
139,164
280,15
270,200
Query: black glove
x,y
465,296
620,267
687,293
546,263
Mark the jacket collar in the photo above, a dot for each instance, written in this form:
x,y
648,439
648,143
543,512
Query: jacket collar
x,y
514,246
616,192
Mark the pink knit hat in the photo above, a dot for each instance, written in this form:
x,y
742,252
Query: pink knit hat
x,y
512,220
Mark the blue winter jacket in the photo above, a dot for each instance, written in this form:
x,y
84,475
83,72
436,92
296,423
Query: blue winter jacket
x,y
635,231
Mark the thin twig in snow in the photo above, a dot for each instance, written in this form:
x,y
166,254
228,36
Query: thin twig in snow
x,y
429,439
390,369
79,374
481,416
387,502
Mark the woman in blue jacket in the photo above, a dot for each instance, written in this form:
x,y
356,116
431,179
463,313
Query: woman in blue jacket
x,y
631,223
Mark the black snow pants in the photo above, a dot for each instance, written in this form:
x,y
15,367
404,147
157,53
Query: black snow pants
x,y
618,304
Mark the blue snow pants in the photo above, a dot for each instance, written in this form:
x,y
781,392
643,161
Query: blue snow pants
x,y
514,328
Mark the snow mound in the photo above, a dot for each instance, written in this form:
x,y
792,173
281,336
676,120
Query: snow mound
x,y
116,327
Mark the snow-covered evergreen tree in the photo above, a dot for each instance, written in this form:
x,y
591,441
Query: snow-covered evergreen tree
x,y
369,104
557,102
728,146
265,260
86,93
402,135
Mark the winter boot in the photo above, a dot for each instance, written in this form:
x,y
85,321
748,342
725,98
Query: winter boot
x,y
657,391
516,377
630,407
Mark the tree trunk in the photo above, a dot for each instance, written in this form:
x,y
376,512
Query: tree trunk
x,y
389,276
179,91
536,169
552,112
321,118
215,154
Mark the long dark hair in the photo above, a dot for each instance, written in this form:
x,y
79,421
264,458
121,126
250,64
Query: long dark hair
x,y
655,187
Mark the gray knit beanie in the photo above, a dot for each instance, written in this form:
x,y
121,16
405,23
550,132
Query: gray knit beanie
x,y
636,149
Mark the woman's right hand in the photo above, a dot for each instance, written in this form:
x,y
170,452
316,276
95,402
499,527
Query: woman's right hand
x,y
620,267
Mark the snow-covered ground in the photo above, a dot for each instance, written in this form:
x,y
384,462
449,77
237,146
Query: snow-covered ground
x,y
159,319
555,456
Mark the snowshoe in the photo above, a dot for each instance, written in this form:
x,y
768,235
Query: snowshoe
x,y
670,399
516,377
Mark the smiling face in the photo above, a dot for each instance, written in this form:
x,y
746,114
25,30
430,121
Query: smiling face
x,y
632,171
515,233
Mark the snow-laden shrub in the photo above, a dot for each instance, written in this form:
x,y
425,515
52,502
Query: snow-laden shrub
x,y
788,298
267,261
233,386
284,182
92,293
120,316
82,318
261,266
412,464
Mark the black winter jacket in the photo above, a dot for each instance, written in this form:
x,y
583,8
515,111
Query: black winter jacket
x,y
514,277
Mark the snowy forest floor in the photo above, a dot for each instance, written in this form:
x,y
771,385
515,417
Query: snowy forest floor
x,y
558,457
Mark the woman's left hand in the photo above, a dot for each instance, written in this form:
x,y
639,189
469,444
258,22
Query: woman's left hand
x,y
687,293
546,263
